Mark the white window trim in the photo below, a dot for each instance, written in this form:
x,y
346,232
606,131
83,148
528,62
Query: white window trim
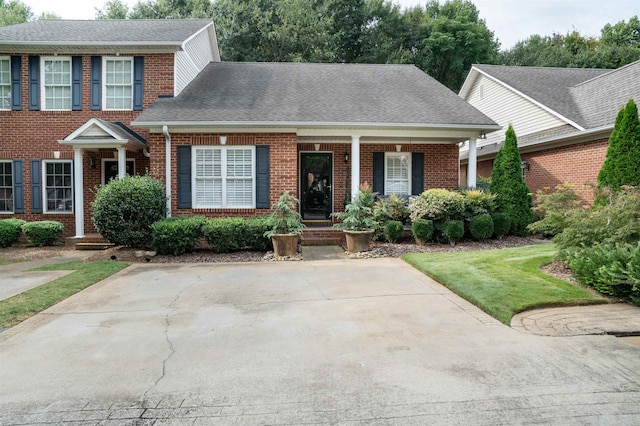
x,y
398,154
43,95
7,58
13,188
104,81
223,158
44,188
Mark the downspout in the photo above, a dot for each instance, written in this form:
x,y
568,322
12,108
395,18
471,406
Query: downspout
x,y
167,167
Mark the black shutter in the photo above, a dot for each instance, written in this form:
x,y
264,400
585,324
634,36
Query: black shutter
x,y
263,172
18,186
417,173
138,83
36,187
34,83
16,83
184,176
76,83
378,172
96,82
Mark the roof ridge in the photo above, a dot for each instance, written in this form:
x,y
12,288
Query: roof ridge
x,y
539,67
611,71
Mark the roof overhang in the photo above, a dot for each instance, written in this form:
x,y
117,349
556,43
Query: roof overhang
x,y
450,133
546,143
97,134
52,48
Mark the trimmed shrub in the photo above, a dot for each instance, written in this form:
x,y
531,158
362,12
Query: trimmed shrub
x,y
177,235
613,270
477,202
453,231
125,209
10,230
512,194
391,208
557,206
225,235
393,230
43,233
422,230
481,227
438,205
253,235
501,224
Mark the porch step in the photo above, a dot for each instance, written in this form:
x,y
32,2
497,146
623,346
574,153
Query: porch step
x,y
321,236
89,242
93,246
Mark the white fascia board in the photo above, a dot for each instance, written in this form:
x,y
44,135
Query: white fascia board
x,y
469,81
530,99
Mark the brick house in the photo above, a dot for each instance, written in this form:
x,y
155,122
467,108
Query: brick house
x,y
84,101
563,118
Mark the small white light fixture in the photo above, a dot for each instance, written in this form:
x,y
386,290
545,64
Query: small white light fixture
x,y
398,148
56,154
316,146
223,140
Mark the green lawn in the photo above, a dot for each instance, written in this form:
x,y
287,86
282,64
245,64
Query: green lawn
x,y
503,282
22,306
8,261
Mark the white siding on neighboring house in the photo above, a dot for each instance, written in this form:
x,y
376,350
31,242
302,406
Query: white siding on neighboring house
x,y
505,107
190,61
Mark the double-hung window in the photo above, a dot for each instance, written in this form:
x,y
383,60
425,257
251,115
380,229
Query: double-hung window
x,y
5,82
397,170
56,83
224,177
58,186
6,187
118,83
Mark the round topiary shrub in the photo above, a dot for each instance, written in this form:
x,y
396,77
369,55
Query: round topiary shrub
x,y
422,230
501,224
10,230
453,231
393,230
481,227
125,209
43,233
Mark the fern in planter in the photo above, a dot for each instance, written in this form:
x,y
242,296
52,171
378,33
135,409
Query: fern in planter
x,y
285,218
358,214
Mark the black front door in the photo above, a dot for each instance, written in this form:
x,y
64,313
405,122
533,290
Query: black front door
x,y
111,169
316,201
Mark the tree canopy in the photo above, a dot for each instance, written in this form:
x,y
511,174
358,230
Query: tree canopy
x,y
14,12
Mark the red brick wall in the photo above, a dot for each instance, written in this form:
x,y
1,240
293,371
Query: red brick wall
x,y
441,165
34,134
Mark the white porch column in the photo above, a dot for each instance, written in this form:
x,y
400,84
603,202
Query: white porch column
x,y
472,165
78,191
122,162
355,165
167,167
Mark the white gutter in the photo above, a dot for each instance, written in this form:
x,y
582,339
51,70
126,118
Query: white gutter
x,y
167,165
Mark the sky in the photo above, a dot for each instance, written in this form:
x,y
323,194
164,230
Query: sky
x,y
510,20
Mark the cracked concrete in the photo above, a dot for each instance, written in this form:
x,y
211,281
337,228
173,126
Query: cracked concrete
x,y
326,342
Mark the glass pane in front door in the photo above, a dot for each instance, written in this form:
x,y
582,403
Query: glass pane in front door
x,y
110,169
316,201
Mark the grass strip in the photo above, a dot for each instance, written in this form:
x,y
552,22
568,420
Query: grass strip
x,y
8,261
22,306
503,282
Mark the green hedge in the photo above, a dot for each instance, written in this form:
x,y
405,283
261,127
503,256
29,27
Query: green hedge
x,y
231,234
481,227
10,230
393,231
422,230
43,233
177,235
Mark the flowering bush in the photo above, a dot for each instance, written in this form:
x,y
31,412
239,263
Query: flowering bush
x,y
438,205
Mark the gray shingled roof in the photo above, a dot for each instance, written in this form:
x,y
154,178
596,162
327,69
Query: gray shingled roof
x,y
242,92
102,32
549,86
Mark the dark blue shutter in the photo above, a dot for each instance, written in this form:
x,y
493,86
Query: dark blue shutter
x,y
184,176
378,172
263,171
34,83
138,83
417,173
16,83
96,82
18,186
36,187
76,83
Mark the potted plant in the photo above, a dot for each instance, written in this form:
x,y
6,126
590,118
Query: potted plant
x,y
286,225
357,220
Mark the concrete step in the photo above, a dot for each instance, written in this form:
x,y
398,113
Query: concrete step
x,y
93,246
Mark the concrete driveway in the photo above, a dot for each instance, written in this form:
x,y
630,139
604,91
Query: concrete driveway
x,y
320,342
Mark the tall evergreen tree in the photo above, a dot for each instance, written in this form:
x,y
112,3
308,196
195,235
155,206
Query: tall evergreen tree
x,y
622,163
512,194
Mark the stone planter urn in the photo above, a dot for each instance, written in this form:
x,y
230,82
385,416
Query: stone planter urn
x,y
358,241
285,244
